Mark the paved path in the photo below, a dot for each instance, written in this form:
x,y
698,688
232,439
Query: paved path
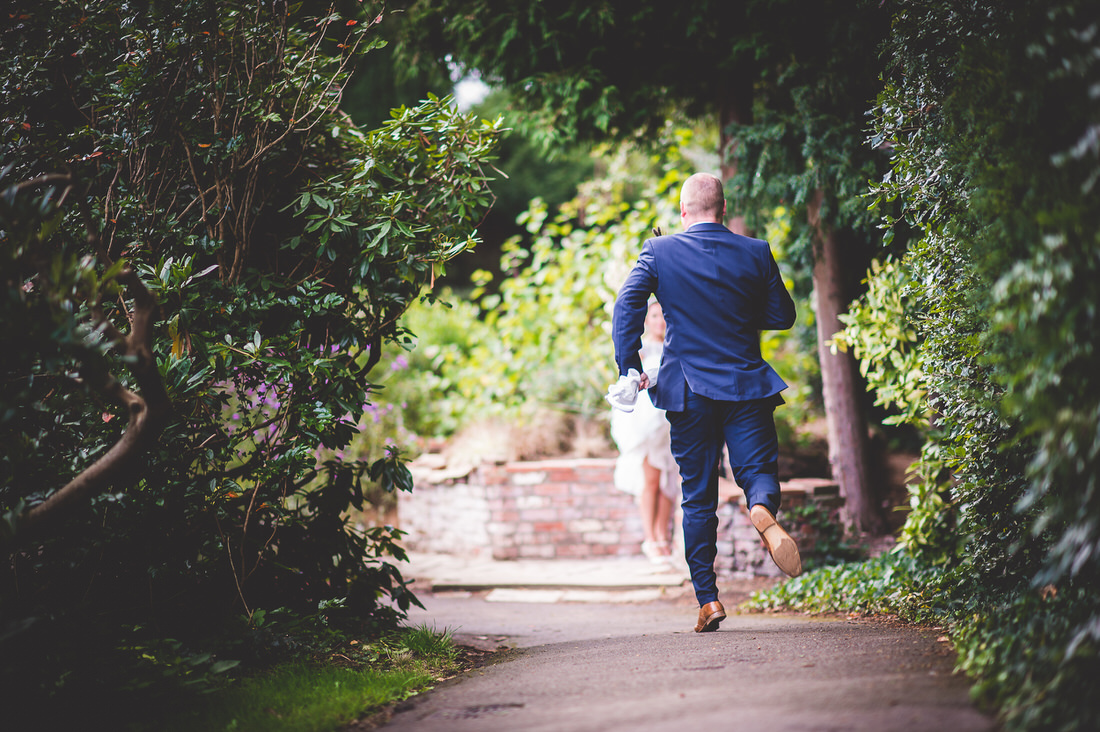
x,y
612,658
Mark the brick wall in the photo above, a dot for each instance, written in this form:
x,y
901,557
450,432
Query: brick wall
x,y
544,509
565,508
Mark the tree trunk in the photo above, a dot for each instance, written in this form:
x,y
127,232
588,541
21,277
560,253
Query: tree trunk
x,y
847,425
734,109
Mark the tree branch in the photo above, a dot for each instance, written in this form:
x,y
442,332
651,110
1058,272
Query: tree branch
x,y
146,413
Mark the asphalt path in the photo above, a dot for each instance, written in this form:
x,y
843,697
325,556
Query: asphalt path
x,y
620,661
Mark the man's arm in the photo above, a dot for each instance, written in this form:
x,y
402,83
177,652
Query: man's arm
x,y
628,318
778,312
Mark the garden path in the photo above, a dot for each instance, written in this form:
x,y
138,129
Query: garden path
x,y
610,658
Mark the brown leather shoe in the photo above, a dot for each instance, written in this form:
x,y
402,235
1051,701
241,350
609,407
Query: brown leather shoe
x,y
710,615
780,545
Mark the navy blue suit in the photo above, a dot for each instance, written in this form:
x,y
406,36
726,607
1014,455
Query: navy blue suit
x,y
718,290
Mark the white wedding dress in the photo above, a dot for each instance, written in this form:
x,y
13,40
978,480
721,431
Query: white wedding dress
x,y
642,434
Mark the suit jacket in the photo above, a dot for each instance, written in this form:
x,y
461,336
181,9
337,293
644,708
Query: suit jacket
x,y
718,290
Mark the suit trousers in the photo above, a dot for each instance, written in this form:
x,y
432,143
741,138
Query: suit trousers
x,y
748,430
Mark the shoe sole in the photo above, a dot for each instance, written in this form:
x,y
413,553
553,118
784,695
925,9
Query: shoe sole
x,y
780,545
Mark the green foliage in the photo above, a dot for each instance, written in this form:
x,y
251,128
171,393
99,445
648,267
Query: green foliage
x,y
540,340
806,132
587,72
199,146
881,330
429,387
531,171
880,334
794,102
427,642
883,585
323,684
992,311
821,539
1030,661
551,314
353,680
527,171
305,698
931,530
1002,280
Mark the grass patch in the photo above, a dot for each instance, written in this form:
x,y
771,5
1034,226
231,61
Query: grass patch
x,y
321,695
303,698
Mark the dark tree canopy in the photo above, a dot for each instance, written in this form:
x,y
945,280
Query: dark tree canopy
x,y
592,69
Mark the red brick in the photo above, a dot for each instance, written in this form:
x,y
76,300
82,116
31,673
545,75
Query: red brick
x,y
603,500
537,551
531,515
598,477
587,489
525,503
493,475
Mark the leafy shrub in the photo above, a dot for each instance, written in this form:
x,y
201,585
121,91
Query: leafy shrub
x,y
191,230
821,537
884,584
990,312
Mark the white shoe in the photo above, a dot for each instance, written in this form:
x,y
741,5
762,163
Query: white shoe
x,y
652,550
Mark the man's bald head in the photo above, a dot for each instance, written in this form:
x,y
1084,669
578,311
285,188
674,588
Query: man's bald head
x,y
701,199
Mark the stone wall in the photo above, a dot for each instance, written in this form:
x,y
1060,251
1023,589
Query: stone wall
x,y
565,508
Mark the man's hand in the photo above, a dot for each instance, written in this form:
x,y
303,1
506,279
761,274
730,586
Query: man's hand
x,y
643,381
